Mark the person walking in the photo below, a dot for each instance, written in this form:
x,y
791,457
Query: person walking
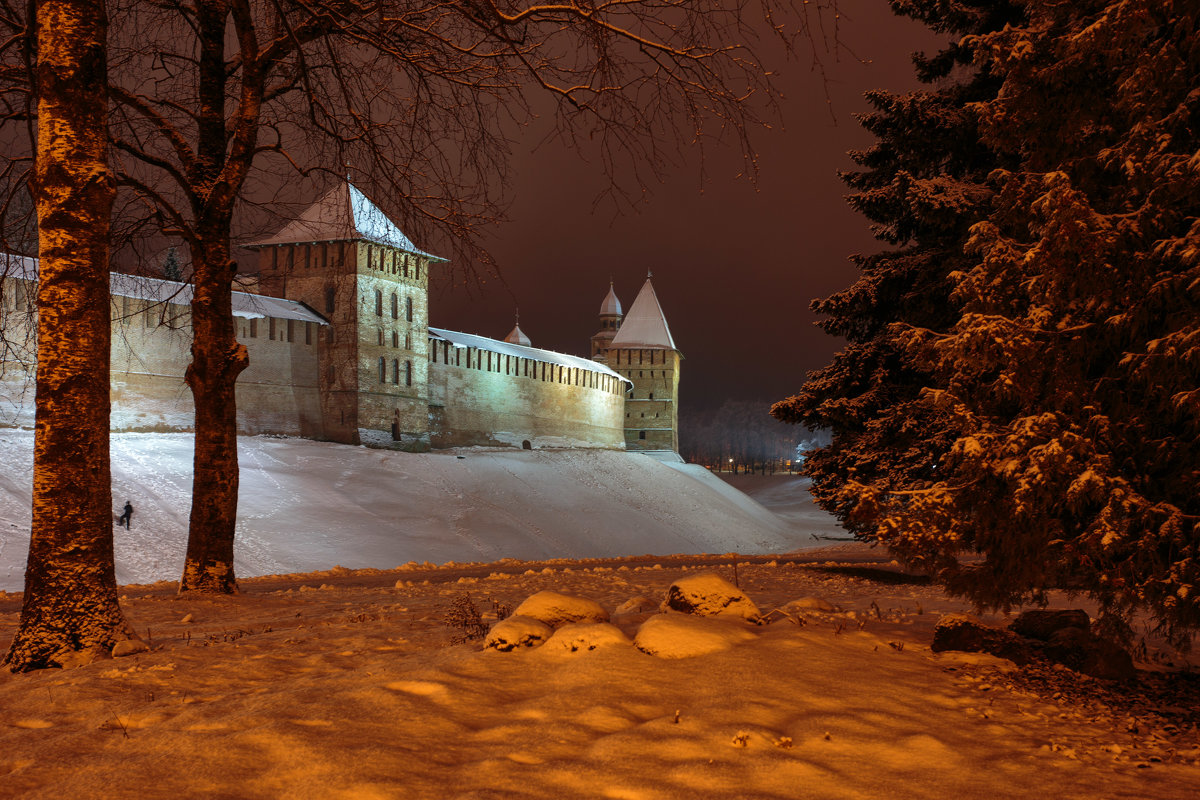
x,y
127,516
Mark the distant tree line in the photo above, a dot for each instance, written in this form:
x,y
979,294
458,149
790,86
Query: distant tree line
x,y
1021,379
742,436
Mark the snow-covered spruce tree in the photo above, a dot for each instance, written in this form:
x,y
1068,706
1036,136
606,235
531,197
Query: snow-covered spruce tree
x,y
1071,375
1075,368
922,185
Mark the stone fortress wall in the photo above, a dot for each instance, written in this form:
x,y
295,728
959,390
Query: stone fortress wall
x,y
337,329
151,341
519,398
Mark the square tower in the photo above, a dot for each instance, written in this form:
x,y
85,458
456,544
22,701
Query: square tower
x,y
344,258
644,352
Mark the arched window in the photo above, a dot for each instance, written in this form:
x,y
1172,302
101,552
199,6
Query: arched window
x,y
329,297
395,306
408,311
382,370
396,370
408,373
378,303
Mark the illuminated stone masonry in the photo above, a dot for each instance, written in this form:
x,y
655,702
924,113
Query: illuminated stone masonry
x,y
336,324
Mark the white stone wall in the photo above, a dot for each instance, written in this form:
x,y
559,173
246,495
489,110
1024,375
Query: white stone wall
x,y
512,403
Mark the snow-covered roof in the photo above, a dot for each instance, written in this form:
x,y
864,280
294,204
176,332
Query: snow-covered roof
x,y
611,305
15,266
644,325
344,214
520,351
157,290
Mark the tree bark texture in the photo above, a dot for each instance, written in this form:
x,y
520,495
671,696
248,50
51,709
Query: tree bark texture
x,y
70,613
217,360
217,357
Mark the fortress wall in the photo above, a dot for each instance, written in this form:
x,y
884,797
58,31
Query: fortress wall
x,y
151,345
506,401
277,393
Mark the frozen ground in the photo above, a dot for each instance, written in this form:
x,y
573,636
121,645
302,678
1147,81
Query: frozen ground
x,y
350,683
338,685
787,497
313,505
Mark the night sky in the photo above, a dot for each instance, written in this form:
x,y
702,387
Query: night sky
x,y
735,268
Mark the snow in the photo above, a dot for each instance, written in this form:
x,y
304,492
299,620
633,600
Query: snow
x,y
645,325
162,292
343,213
348,683
556,609
685,636
307,505
710,595
517,631
581,637
458,339
372,224
356,691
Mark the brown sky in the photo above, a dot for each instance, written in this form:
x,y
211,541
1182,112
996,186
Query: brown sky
x,y
734,268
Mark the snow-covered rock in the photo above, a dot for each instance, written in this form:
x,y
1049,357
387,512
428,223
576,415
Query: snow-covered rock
x,y
1043,623
517,631
129,647
636,605
968,634
707,594
556,609
578,636
683,636
810,604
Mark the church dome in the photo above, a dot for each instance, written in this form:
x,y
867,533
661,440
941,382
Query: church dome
x,y
611,305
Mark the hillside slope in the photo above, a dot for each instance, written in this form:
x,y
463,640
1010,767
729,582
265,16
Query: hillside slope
x,y
310,505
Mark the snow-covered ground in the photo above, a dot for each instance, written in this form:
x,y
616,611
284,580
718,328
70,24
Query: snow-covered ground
x,y
312,505
351,686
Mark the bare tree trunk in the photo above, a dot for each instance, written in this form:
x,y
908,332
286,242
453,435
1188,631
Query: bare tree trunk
x,y
217,360
70,613
217,357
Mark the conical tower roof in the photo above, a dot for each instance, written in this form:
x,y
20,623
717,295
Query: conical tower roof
x,y
344,214
644,325
611,305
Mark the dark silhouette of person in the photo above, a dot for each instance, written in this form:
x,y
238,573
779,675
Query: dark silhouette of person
x,y
127,516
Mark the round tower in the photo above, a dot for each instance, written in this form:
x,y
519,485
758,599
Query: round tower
x,y
610,323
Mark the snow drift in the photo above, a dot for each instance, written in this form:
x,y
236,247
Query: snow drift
x,y
308,505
